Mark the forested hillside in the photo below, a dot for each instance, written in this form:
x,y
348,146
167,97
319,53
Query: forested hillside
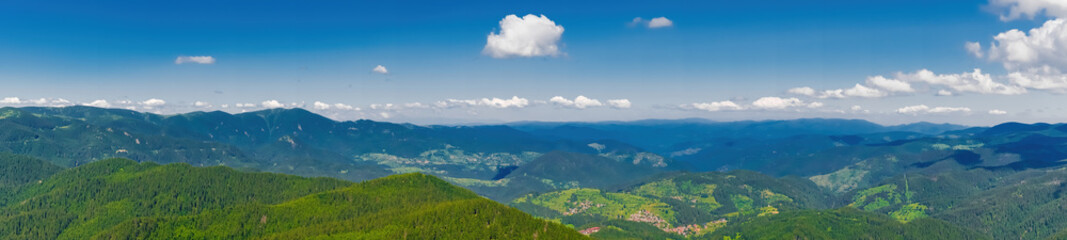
x,y
122,199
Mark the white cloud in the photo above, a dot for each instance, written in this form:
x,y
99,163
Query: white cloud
x,y
202,104
529,36
806,91
917,109
1031,8
944,92
660,22
974,48
1046,45
155,102
321,105
246,105
513,102
272,104
342,106
778,103
387,106
975,82
98,103
619,103
997,112
11,100
195,59
892,85
415,105
60,101
1043,78
713,106
580,102
381,69
856,91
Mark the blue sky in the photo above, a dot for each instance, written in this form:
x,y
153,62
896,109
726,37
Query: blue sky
x,y
294,54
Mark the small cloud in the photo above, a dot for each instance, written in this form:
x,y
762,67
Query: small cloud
x,y
713,106
944,92
98,103
619,103
155,102
321,105
916,109
660,22
892,85
200,104
778,103
529,36
247,105
341,106
513,102
856,91
806,91
381,69
195,59
580,102
272,104
997,112
974,48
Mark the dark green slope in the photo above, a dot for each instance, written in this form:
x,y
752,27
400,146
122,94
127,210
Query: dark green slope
x,y
584,170
17,170
845,223
122,199
68,141
410,206
80,202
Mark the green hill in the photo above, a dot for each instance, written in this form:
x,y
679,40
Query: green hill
x,y
123,199
685,203
845,223
17,170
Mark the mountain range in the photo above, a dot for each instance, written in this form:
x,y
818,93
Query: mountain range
x,y
662,179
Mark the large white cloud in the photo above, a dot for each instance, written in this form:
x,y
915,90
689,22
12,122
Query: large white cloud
x,y
975,82
529,36
1031,8
1043,78
195,59
1045,45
